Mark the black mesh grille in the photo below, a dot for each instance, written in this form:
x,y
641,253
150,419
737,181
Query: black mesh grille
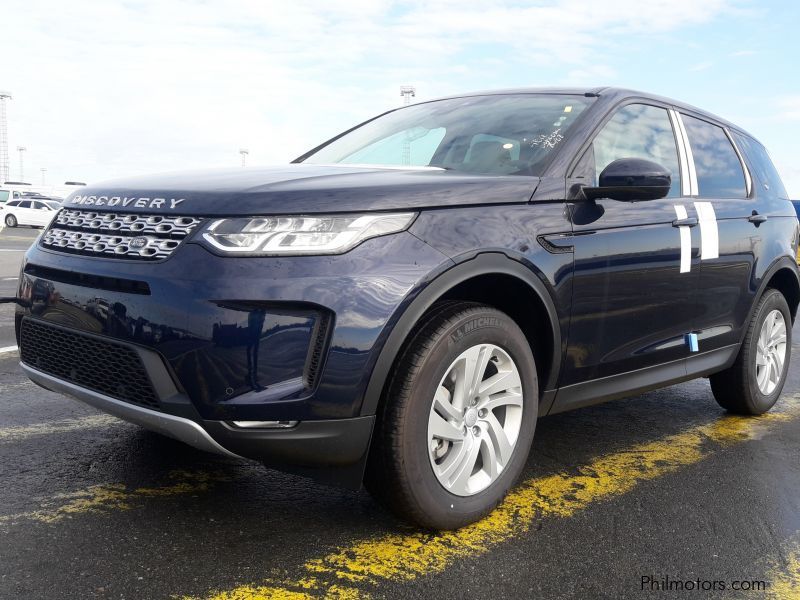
x,y
103,366
317,350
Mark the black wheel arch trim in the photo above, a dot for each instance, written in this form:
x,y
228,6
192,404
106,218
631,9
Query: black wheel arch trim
x,y
488,263
783,262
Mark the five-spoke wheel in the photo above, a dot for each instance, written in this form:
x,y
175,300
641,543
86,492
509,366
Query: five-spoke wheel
x,y
475,418
458,419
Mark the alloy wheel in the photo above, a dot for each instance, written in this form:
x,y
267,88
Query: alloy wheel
x,y
771,352
475,419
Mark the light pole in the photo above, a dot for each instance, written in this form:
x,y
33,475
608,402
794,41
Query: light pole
x,y
407,92
44,171
21,150
3,137
244,152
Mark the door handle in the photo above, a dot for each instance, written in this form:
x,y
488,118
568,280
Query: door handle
x,y
688,222
757,219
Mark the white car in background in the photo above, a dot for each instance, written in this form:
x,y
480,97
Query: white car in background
x,y
31,211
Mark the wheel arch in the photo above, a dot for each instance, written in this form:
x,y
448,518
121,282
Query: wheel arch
x,y
477,280
783,276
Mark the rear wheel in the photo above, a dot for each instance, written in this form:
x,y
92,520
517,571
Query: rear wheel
x,y
11,221
755,381
458,419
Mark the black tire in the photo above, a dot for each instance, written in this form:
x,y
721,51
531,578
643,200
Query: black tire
x,y
736,389
11,221
399,472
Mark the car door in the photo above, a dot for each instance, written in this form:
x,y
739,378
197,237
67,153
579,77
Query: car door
x,y
731,229
41,214
24,213
635,266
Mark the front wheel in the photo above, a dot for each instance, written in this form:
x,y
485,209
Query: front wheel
x,y
11,221
755,381
458,419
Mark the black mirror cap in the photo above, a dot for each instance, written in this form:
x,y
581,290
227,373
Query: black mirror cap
x,y
632,179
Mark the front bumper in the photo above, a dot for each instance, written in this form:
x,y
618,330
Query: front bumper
x,y
225,340
179,428
331,451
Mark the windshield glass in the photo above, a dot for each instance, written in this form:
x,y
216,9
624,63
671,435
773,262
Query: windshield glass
x,y
503,134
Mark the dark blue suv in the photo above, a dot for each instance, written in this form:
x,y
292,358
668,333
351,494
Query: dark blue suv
x,y
400,304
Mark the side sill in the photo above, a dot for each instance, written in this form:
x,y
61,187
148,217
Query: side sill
x,y
636,382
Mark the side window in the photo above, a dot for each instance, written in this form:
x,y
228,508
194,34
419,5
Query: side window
x,y
3,195
638,131
25,204
39,206
719,172
762,166
13,203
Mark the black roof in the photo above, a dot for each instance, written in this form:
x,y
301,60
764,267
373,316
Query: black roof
x,y
605,92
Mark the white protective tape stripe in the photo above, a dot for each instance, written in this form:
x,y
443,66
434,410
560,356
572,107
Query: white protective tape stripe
x,y
686,240
686,186
709,234
695,190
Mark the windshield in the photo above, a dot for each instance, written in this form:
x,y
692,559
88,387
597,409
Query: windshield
x,y
503,134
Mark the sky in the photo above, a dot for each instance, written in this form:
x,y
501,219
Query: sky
x,y
107,89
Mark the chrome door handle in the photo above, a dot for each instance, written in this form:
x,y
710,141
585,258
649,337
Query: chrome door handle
x,y
688,222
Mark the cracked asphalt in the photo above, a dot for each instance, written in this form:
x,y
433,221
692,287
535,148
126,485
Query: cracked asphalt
x,y
662,486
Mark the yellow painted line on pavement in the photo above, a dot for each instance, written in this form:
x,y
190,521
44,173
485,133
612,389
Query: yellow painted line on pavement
x,y
102,499
23,432
784,576
405,557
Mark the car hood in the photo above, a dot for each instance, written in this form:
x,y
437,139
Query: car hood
x,y
300,189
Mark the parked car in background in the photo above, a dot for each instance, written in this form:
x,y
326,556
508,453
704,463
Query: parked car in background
x,y
6,195
35,212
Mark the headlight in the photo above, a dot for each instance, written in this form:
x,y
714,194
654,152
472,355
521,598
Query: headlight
x,y
265,236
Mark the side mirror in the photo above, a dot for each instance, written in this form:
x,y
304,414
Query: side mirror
x,y
631,179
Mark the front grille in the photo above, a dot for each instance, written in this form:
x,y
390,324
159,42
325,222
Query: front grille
x,y
115,235
101,365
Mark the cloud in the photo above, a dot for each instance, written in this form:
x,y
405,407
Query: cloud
x,y
788,108
701,66
104,89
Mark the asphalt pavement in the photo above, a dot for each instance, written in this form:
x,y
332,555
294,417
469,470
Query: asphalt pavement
x,y
620,500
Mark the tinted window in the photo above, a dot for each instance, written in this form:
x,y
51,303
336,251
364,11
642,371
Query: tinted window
x,y
39,206
502,134
13,203
719,172
638,131
25,204
761,166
